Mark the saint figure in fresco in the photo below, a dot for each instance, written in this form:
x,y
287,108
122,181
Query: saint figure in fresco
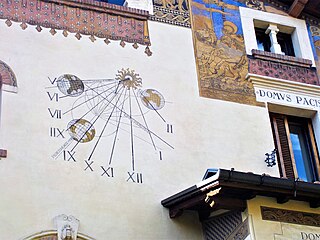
x,y
230,36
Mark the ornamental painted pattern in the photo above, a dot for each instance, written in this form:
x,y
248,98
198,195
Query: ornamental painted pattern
x,y
81,17
289,216
283,71
175,12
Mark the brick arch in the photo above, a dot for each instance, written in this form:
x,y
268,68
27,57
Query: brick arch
x,y
7,76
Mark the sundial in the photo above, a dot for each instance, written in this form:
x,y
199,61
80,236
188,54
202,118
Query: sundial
x,y
101,114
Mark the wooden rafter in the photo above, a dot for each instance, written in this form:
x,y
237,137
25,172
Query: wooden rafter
x,y
297,7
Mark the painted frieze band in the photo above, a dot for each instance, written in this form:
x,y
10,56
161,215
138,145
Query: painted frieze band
x,y
92,18
289,216
175,12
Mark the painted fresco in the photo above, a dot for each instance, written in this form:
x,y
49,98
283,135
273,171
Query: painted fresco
x,y
220,54
315,34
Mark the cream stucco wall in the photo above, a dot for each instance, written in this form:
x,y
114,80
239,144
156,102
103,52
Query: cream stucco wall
x,y
207,133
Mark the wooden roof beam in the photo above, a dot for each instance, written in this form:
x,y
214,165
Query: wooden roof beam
x,y
297,7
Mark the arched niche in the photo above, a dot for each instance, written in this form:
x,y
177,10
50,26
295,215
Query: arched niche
x,y
52,235
7,77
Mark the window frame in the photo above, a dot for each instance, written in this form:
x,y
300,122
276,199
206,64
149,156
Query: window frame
x,y
281,134
251,18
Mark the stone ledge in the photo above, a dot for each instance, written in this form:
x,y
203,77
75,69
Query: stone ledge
x,y
301,62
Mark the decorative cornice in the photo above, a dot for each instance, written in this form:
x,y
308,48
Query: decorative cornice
x,y
289,216
285,85
82,17
103,7
285,8
281,70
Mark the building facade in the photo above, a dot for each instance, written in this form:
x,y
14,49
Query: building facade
x,y
110,113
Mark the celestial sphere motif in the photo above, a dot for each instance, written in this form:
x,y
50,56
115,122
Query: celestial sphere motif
x,y
70,85
152,99
81,130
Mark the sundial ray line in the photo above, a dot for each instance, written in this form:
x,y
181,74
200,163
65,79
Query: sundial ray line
x,y
131,131
91,110
144,119
93,88
104,127
98,94
139,124
117,130
154,108
50,87
135,135
99,80
92,124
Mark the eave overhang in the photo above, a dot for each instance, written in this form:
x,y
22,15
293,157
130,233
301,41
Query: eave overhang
x,y
230,190
297,8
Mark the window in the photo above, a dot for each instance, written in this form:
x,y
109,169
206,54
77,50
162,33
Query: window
x,y
285,42
263,40
297,149
291,34
283,39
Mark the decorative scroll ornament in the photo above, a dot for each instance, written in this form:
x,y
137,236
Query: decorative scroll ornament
x,y
255,4
92,18
67,227
315,31
271,158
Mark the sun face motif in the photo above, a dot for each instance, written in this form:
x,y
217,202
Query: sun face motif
x,y
129,79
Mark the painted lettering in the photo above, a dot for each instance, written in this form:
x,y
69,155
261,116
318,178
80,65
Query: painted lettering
x,y
134,177
53,96
107,171
275,95
309,236
299,99
52,81
56,132
55,113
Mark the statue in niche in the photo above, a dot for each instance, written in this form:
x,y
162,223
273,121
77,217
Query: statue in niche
x,y
66,233
67,227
